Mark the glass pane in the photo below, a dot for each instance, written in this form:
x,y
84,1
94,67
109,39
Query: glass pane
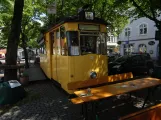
x,y
125,33
145,30
73,42
141,31
128,33
88,44
141,26
72,37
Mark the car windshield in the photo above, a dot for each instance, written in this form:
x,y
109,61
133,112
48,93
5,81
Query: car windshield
x,y
121,59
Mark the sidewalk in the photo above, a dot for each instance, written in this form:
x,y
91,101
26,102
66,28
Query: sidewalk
x,y
35,73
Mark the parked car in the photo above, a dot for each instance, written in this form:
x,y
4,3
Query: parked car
x,y
135,63
113,58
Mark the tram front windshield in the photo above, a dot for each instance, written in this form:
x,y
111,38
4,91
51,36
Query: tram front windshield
x,y
88,42
95,44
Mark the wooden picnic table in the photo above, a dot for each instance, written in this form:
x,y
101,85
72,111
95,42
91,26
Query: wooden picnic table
x,y
117,89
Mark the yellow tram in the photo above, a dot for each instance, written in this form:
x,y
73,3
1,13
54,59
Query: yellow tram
x,y
75,49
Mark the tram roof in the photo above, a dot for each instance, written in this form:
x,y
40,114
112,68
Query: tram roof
x,y
76,19
73,19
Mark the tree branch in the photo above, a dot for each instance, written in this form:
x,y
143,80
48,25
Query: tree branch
x,y
151,8
143,12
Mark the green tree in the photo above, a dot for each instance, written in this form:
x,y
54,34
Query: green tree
x,y
29,28
150,9
110,10
6,10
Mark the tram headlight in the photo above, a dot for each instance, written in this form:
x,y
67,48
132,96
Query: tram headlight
x,y
93,74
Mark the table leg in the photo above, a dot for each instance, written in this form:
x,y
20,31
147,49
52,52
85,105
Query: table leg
x,y
147,97
93,111
85,111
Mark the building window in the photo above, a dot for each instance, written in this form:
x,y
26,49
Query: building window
x,y
143,29
127,32
128,49
142,48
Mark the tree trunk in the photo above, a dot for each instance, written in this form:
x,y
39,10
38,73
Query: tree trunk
x,y
13,40
25,50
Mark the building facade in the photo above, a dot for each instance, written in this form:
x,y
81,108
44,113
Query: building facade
x,y
112,46
139,37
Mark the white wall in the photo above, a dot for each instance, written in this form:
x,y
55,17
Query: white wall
x,y
138,39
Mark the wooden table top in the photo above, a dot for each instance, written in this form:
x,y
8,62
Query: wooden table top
x,y
117,89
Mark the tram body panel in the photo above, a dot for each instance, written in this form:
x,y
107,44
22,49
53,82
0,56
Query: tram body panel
x,y
54,68
74,49
103,28
63,70
84,65
46,57
71,26
43,63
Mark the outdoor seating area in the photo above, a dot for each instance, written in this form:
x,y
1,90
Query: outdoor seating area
x,y
94,95
152,113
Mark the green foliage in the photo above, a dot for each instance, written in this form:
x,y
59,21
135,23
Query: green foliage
x,y
145,8
113,11
6,10
30,26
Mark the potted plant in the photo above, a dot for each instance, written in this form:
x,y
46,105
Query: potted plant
x,y
24,78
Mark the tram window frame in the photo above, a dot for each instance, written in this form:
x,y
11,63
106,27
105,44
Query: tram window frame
x,y
51,41
87,46
58,45
63,41
62,32
104,49
43,47
98,46
73,43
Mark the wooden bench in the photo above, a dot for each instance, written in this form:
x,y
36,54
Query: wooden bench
x,y
98,81
151,113
76,100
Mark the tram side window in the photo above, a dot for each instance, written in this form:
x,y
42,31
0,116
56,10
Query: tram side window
x,y
63,41
73,42
52,41
103,43
58,42
42,49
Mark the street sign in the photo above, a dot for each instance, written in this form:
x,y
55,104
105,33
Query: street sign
x,y
151,42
